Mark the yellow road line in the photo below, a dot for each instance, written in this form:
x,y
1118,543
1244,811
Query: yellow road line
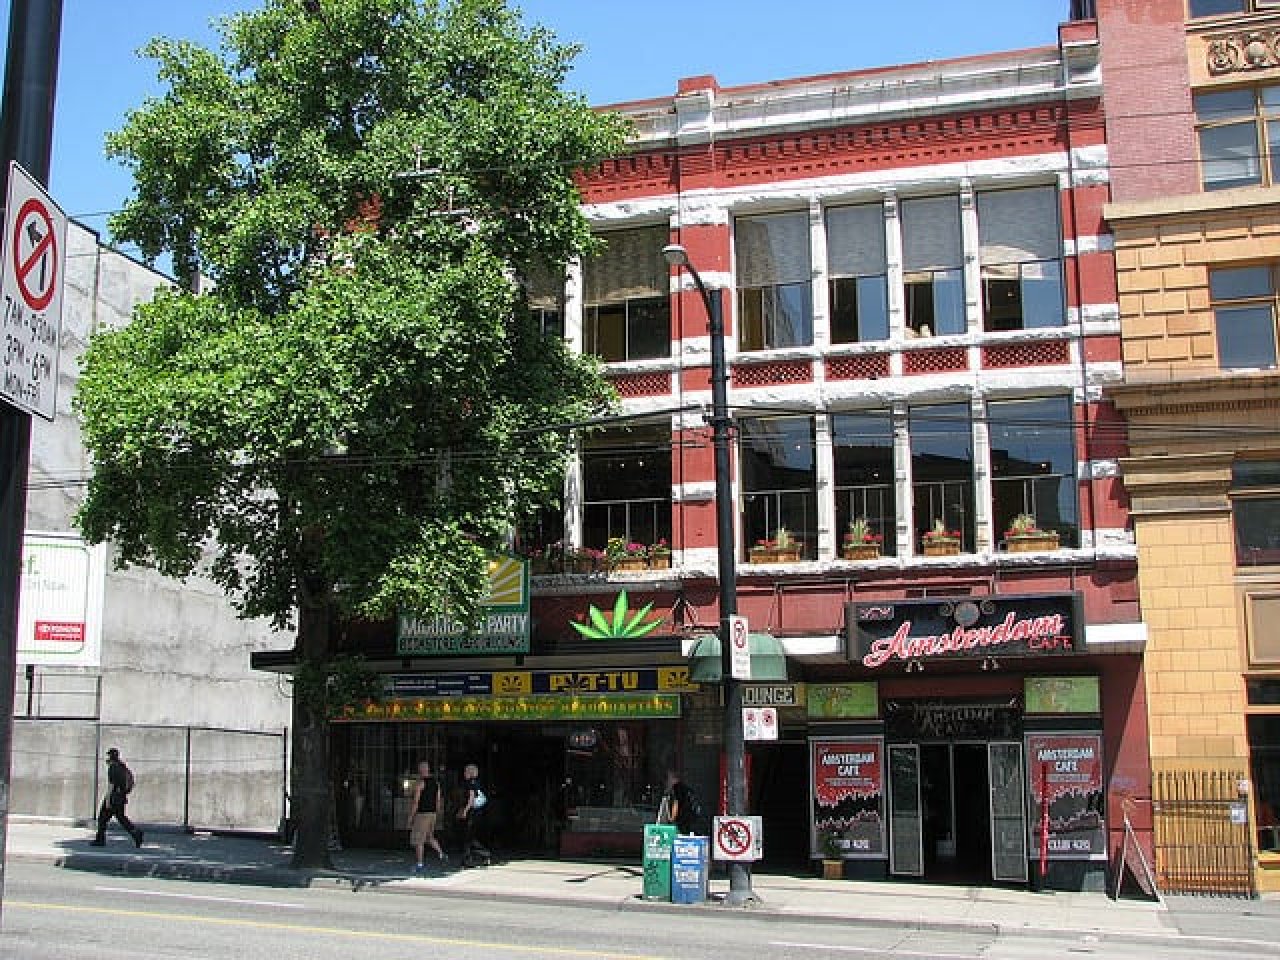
x,y
328,931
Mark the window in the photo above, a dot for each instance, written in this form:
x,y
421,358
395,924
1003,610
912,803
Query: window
x,y
1033,465
932,257
863,447
626,477
1255,512
942,469
1239,134
544,294
1244,316
627,301
1216,8
1264,768
779,480
856,264
1020,251
775,303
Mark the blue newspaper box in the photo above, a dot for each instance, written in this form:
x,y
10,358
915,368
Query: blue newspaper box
x,y
658,840
689,859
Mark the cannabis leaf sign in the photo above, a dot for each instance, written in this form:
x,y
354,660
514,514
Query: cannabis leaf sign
x,y
621,625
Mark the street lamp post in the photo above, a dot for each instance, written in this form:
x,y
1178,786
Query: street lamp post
x,y
740,891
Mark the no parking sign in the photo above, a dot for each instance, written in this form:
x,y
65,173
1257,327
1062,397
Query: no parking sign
x,y
31,282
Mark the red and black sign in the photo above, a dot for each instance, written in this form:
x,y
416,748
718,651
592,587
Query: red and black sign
x,y
963,628
848,796
1066,793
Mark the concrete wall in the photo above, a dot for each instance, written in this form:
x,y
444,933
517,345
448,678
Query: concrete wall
x,y
173,653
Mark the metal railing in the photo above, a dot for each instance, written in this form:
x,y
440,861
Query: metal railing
x,y
1202,838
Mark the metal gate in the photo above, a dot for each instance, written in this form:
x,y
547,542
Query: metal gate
x,y
1202,835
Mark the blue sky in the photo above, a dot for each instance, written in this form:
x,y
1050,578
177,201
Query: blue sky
x,y
632,51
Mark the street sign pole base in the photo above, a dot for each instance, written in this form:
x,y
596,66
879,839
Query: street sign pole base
x,y
740,893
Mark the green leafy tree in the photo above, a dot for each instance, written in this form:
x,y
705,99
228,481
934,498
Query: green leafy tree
x,y
351,416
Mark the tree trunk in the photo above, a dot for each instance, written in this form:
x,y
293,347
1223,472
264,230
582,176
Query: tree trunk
x,y
309,770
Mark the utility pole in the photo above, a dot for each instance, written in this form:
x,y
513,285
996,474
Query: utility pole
x,y
26,135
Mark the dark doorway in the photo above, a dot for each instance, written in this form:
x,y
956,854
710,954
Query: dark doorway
x,y
779,773
957,813
525,777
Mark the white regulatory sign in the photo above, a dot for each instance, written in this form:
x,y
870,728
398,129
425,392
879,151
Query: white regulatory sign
x,y
739,649
35,258
737,838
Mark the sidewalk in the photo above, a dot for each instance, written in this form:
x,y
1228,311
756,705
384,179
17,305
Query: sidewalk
x,y
1090,917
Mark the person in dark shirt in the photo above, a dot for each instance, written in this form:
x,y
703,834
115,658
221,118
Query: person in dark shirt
x,y
120,780
681,806
471,813
424,806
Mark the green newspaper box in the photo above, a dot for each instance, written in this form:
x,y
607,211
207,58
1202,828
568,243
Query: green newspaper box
x,y
659,838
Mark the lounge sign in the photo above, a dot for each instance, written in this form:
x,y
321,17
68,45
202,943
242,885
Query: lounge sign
x,y
884,634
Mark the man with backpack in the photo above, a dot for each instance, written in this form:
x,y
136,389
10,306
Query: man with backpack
x,y
120,779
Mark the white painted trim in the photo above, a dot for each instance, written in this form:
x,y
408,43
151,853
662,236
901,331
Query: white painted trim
x,y
694,492
1099,243
1115,637
714,280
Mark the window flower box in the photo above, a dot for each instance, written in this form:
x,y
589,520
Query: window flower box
x,y
1023,536
659,556
860,541
781,548
621,554
939,541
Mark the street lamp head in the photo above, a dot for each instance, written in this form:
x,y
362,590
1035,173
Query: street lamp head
x,y
675,255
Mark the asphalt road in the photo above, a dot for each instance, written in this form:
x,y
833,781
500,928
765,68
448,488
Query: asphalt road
x,y
55,913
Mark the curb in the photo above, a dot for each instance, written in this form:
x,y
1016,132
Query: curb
x,y
136,865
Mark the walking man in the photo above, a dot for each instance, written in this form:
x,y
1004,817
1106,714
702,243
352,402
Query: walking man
x,y
474,853
120,779
424,805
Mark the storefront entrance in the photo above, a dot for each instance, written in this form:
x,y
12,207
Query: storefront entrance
x,y
956,805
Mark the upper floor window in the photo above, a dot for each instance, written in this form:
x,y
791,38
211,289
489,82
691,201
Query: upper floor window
x,y
1255,510
1216,8
1020,250
942,470
1244,315
626,479
932,258
1033,465
544,294
857,267
864,477
779,480
1239,134
627,313
775,303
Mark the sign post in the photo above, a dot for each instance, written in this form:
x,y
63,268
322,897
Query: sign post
x,y
31,282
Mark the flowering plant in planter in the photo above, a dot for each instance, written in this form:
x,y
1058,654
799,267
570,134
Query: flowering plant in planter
x,y
581,559
860,532
1024,524
620,552
1024,536
940,533
660,553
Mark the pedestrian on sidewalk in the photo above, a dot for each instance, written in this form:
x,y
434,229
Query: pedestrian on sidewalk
x,y
424,806
474,853
120,779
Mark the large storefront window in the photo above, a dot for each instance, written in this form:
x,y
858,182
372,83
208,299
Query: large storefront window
x,y
1033,465
628,302
942,470
858,268
627,485
775,304
1255,511
863,447
779,481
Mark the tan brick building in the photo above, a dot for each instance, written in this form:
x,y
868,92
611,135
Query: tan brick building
x,y
1196,228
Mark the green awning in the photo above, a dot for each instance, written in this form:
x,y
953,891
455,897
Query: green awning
x,y
768,662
